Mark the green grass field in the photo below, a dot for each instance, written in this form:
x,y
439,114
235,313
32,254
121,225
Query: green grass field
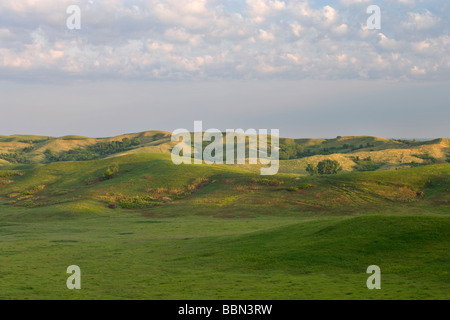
x,y
128,256
159,231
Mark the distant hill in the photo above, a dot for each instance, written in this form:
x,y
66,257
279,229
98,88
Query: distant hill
x,y
361,153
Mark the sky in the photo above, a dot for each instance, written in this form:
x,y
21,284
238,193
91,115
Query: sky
x,y
308,68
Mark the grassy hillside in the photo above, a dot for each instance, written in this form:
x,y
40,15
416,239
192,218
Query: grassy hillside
x,y
295,154
147,180
141,227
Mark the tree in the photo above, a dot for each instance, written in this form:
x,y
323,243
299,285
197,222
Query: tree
x,y
126,142
111,172
290,151
50,155
328,167
135,141
312,170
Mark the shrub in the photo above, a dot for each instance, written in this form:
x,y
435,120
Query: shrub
x,y
111,173
34,190
15,157
328,167
366,164
135,141
198,183
10,173
427,157
311,169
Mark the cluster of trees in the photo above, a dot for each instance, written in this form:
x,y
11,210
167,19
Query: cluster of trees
x,y
366,164
296,151
15,157
71,155
29,148
428,160
324,167
107,148
427,157
158,136
92,152
291,151
361,146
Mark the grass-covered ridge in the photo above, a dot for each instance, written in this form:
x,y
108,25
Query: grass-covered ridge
x,y
145,180
295,154
152,184
141,227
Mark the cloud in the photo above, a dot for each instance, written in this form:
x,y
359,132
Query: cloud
x,y
351,2
206,39
420,21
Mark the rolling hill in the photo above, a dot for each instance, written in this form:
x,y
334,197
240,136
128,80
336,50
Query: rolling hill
x,y
295,154
141,227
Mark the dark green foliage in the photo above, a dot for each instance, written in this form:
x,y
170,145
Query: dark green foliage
x,y
290,151
311,169
328,167
15,157
92,152
29,149
126,142
366,164
157,136
268,182
427,157
107,148
297,151
78,155
10,173
50,155
135,141
324,167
